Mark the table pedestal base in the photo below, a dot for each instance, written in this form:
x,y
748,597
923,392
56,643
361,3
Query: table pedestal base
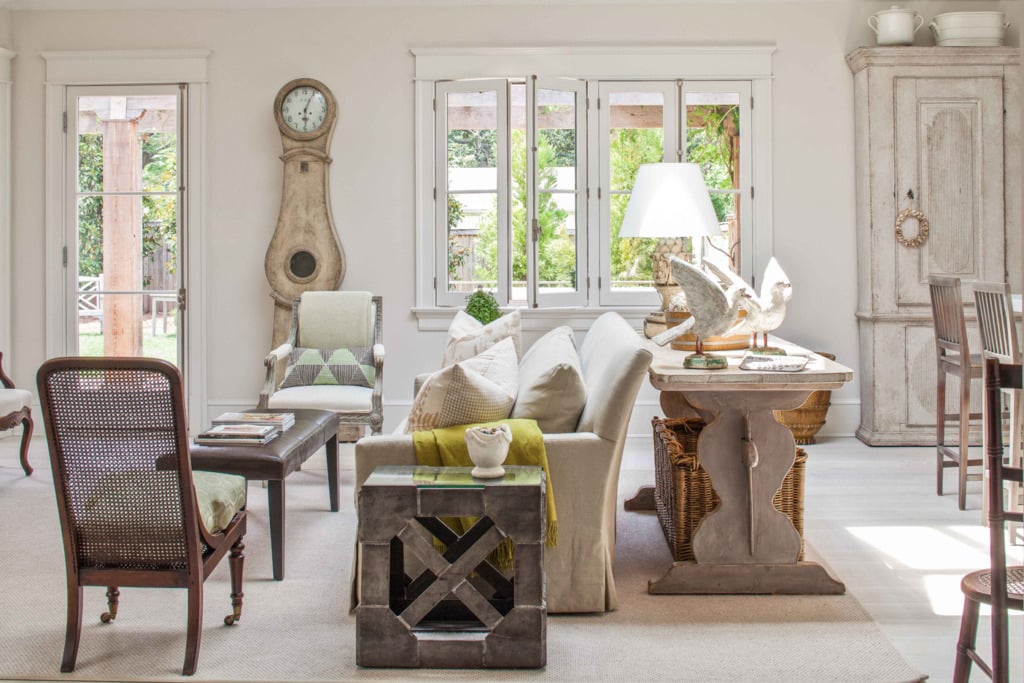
x,y
801,578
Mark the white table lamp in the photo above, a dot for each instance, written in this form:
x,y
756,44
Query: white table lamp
x,y
668,201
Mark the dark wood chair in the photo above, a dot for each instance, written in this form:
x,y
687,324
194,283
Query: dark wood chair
x,y
15,410
953,357
992,301
132,512
999,586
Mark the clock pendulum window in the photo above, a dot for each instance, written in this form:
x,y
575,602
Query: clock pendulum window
x,y
304,254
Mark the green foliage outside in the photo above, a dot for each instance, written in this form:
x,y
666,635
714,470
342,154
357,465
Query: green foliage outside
x,y
557,252
630,147
707,145
159,216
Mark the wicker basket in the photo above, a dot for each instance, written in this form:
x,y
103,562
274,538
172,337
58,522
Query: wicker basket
x,y
682,488
806,419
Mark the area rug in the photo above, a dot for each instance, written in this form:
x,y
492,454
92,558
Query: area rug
x,y
299,629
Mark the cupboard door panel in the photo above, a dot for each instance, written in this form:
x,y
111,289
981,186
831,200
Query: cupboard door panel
x,y
949,156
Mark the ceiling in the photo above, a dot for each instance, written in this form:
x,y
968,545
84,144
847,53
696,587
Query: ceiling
x,y
264,4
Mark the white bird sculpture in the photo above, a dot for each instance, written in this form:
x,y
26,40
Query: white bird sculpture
x,y
765,312
712,312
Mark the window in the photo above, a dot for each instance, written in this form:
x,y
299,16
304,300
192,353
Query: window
x,y
528,176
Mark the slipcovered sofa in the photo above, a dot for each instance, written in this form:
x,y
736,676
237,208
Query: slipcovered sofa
x,y
584,467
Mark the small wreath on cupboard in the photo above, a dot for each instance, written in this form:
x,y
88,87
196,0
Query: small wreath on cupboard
x,y
922,228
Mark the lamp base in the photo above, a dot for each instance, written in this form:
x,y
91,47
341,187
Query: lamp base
x,y
705,361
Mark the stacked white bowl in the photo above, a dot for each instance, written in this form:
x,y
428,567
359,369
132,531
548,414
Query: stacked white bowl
x,y
969,28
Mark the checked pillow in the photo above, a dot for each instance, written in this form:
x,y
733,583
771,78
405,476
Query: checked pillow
x,y
351,367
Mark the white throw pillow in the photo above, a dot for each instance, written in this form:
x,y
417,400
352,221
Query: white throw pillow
x,y
551,387
479,389
467,336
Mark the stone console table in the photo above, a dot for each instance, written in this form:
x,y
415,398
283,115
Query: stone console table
x,y
745,545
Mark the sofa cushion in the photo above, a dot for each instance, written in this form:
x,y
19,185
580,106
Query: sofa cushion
x,y
308,367
551,388
478,389
467,336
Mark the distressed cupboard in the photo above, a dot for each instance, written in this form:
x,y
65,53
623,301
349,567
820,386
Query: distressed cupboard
x,y
937,131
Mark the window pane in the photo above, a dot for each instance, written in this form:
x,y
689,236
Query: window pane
x,y
723,249
472,241
713,141
637,134
472,139
517,198
472,144
118,134
556,190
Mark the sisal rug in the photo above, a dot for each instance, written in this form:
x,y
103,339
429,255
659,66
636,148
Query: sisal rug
x,y
299,629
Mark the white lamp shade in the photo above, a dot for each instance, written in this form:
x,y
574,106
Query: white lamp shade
x,y
669,200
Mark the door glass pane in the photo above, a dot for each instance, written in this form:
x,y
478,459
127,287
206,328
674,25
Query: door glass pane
x,y
556,190
127,173
713,141
636,136
472,170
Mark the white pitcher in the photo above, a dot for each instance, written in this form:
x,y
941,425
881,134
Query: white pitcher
x,y
488,448
895,26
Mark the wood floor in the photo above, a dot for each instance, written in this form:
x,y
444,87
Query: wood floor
x,y
871,514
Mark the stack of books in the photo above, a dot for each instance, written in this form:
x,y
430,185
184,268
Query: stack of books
x,y
246,429
280,420
238,434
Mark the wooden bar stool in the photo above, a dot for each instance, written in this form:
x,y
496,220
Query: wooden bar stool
x,y
999,586
999,340
953,357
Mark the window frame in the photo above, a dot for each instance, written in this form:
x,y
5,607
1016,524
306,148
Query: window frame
x,y
751,63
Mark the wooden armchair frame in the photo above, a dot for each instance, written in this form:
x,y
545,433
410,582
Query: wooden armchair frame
x,y
12,420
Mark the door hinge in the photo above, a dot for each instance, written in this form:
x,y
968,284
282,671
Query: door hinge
x,y
64,257
588,194
599,282
435,194
536,230
65,123
599,104
435,282
182,299
598,191
588,282
433,104
751,191
751,102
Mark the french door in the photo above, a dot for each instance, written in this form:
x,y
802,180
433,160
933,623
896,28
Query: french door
x,y
126,239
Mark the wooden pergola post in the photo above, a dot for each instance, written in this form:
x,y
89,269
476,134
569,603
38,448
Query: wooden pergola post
x,y
122,232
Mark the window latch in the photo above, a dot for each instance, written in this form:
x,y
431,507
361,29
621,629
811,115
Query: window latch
x,y
536,230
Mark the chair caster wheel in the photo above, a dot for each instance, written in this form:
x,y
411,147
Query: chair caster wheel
x,y
229,620
106,617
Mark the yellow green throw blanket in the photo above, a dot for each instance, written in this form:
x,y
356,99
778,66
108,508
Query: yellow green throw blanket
x,y
447,448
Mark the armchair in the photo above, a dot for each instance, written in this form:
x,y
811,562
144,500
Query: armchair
x,y
330,321
14,409
584,466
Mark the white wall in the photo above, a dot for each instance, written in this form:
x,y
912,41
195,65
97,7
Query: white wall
x,y
362,54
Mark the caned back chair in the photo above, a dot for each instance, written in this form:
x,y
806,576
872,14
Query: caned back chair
x,y
999,586
998,330
953,357
132,512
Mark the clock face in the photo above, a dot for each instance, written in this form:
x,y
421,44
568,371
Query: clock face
x,y
304,109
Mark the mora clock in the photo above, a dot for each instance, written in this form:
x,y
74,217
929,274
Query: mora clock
x,y
304,253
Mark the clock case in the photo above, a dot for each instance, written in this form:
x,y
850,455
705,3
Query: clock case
x,y
304,254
